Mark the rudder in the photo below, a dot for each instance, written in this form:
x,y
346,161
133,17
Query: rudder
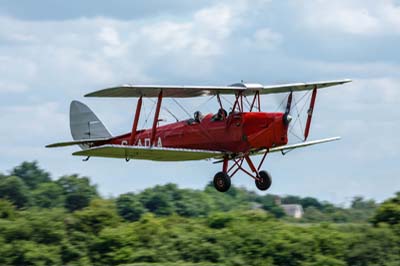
x,y
84,124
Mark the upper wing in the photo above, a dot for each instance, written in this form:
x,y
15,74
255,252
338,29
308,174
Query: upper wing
x,y
302,86
286,148
145,153
195,91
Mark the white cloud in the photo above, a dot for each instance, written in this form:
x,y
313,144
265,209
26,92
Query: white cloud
x,y
23,123
75,54
353,17
203,36
16,73
264,39
353,69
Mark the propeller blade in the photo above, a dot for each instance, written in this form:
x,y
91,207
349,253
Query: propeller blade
x,y
289,103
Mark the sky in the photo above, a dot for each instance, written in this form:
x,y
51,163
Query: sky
x,y
53,52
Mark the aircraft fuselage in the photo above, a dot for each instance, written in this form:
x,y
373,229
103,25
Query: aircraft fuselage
x,y
239,132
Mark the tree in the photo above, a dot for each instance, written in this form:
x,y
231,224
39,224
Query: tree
x,y
78,191
388,212
159,204
193,204
129,207
361,204
291,200
160,199
12,188
31,174
48,195
6,209
311,202
31,253
373,246
98,215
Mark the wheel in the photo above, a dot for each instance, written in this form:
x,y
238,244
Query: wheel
x,y
264,181
222,182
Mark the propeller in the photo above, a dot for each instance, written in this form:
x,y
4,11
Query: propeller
x,y
287,117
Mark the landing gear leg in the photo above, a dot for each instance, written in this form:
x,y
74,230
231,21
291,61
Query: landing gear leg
x,y
222,180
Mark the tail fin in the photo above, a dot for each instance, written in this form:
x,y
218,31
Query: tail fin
x,y
85,124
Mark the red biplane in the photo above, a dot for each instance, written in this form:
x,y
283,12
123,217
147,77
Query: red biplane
x,y
227,137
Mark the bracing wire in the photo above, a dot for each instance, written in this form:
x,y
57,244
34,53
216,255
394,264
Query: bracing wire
x,y
144,109
180,106
148,115
226,100
168,111
247,101
298,115
302,108
204,103
280,105
291,132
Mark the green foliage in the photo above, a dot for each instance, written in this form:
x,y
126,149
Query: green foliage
x,y
12,188
158,202
6,210
66,222
129,207
373,246
48,195
388,212
78,191
31,253
99,214
31,174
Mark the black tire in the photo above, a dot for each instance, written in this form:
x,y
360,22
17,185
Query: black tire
x,y
222,182
264,181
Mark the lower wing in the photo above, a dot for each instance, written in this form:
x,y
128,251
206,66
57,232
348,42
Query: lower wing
x,y
172,154
145,153
286,148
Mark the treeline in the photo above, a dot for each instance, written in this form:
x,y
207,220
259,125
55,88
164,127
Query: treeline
x,y
66,222
28,186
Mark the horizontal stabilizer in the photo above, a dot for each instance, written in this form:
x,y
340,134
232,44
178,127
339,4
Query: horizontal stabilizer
x,y
286,148
146,153
77,142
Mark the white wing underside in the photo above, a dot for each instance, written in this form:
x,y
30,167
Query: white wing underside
x,y
171,154
170,91
145,153
290,147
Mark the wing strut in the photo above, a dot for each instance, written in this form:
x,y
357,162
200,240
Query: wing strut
x,y
156,116
136,121
310,113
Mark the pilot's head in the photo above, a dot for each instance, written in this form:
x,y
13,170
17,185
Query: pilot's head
x,y
198,116
222,113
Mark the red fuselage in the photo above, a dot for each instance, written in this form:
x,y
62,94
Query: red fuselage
x,y
239,132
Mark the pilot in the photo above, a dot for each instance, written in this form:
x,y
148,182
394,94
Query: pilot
x,y
220,115
198,116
